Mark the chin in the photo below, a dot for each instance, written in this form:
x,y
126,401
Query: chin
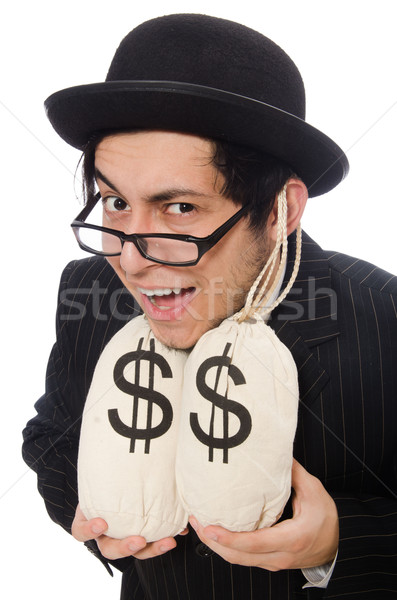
x,y
175,340
178,338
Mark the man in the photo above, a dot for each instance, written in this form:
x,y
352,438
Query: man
x,y
198,118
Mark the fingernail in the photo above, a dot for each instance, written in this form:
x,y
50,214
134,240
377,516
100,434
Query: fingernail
x,y
133,548
163,549
96,529
212,536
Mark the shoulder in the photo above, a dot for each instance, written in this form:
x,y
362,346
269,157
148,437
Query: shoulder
x,y
93,305
367,297
340,267
361,273
80,273
91,295
333,289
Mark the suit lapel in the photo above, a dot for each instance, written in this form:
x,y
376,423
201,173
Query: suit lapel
x,y
308,316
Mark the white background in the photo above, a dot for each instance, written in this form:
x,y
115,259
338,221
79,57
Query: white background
x,y
346,51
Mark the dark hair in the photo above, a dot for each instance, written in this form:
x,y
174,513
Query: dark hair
x,y
250,177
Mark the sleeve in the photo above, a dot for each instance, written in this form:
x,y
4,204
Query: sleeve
x,y
366,565
319,576
51,438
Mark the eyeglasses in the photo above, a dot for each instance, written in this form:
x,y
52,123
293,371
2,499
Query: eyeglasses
x,y
178,250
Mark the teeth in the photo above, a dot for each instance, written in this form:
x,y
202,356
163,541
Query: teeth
x,y
160,291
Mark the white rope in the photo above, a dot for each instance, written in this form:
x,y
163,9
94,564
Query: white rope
x,y
294,273
254,305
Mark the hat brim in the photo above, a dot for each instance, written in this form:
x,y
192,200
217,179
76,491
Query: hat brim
x,y
77,112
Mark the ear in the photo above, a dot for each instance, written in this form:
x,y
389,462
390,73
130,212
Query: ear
x,y
297,196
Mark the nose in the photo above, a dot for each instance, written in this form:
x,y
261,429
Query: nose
x,y
132,261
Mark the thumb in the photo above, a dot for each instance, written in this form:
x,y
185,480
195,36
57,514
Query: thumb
x,y
299,480
298,475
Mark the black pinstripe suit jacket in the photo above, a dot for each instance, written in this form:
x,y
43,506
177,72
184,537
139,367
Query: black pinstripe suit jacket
x,y
340,323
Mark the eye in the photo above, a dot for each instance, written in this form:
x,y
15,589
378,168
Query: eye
x,y
114,204
180,208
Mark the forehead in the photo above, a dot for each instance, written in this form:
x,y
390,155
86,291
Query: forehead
x,y
155,145
157,159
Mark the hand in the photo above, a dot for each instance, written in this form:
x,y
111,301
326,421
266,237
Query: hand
x,y
309,539
111,548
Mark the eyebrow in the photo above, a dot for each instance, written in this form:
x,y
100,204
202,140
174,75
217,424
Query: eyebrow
x,y
99,175
166,195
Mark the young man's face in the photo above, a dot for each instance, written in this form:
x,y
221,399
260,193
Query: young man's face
x,y
163,182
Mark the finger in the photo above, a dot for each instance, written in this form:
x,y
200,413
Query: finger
x,y
299,475
304,482
156,548
160,547
84,530
136,546
112,548
236,548
266,540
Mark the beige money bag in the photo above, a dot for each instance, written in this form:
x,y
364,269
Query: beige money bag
x,y
238,422
239,410
126,463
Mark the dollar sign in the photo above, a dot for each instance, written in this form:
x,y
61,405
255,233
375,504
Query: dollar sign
x,y
222,402
147,393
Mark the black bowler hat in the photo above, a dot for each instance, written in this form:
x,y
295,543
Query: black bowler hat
x,y
208,76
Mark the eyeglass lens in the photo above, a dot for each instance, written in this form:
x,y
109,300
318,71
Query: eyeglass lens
x,y
173,251
163,249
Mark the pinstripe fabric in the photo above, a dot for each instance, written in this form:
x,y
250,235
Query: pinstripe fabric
x,y
340,323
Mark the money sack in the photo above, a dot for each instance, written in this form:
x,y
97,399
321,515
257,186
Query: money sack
x,y
126,463
238,421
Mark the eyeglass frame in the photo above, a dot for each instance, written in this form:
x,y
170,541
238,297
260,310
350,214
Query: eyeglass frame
x,y
203,244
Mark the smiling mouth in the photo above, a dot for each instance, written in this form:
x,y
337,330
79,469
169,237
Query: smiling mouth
x,y
166,298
